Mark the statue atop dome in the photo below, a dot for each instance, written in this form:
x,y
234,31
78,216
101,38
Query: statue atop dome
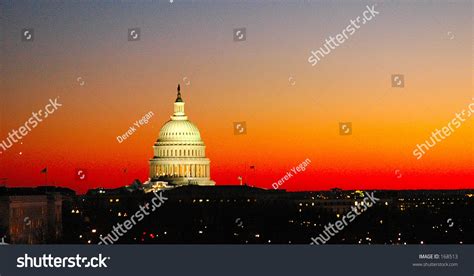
x,y
178,99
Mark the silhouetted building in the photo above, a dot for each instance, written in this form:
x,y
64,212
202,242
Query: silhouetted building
x,y
31,216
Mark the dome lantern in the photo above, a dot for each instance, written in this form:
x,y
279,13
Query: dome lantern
x,y
179,107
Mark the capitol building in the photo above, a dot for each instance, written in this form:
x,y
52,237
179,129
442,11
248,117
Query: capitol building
x,y
179,153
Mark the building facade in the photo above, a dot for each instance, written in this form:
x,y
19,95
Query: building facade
x,y
179,153
31,219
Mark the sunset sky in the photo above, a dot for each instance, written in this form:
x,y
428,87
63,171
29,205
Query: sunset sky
x,y
291,108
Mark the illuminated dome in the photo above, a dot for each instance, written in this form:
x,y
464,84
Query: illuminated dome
x,y
179,153
179,131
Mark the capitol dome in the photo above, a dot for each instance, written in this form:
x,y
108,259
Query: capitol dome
x,y
179,153
179,131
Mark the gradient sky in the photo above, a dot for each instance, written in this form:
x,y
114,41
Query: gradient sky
x,y
288,121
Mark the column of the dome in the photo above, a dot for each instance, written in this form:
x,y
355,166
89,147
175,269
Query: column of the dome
x,y
208,171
